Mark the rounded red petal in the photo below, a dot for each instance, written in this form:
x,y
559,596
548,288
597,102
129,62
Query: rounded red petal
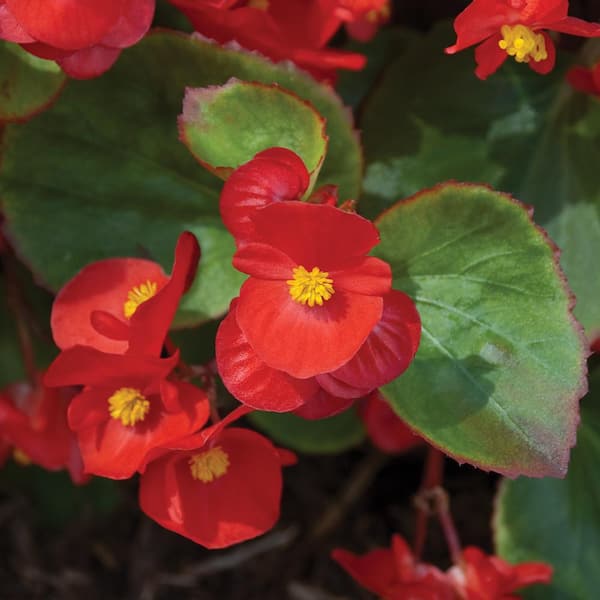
x,y
103,285
545,66
263,261
341,389
67,24
239,505
132,25
369,276
322,405
274,175
301,340
489,57
10,28
111,449
249,379
89,62
375,571
315,235
582,80
390,347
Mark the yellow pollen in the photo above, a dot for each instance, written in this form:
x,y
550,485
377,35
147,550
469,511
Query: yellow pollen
x,y
138,295
310,287
523,43
210,465
128,405
375,15
20,457
260,4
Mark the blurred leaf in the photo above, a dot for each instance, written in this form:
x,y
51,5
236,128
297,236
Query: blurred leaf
x,y
501,365
27,84
325,436
558,521
103,174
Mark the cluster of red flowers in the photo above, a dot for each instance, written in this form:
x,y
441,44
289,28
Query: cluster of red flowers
x,y
394,574
316,325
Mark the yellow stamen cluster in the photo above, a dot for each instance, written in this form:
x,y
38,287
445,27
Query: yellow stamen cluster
x,y
20,457
138,295
523,43
128,405
209,465
310,287
377,15
260,4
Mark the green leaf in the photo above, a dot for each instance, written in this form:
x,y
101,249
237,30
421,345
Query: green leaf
x,y
224,127
324,436
103,174
528,135
558,521
501,363
27,84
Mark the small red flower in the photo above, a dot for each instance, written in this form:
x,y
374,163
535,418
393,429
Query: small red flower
x,y
122,305
385,428
33,421
585,80
515,28
295,30
84,38
363,17
219,488
393,574
483,577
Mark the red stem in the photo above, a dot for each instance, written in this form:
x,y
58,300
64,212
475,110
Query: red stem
x,y
432,478
445,518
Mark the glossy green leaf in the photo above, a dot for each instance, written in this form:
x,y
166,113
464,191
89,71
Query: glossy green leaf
x,y
525,134
501,363
27,84
103,174
558,521
224,127
324,436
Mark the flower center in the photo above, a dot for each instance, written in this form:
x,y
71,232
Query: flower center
x,y
20,457
128,405
310,287
210,465
138,295
523,43
260,4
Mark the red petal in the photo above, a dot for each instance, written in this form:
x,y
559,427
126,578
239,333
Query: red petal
x,y
263,261
10,29
575,26
375,571
102,286
582,80
249,379
532,572
340,389
151,321
274,175
390,347
239,505
132,25
67,24
387,431
111,449
89,62
545,66
369,276
301,340
315,235
323,405
489,57
109,326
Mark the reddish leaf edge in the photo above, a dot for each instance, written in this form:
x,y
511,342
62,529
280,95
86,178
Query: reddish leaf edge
x,y
549,467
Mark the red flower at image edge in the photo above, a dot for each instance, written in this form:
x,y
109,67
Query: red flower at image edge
x,y
393,574
84,38
317,320
585,80
120,305
363,17
33,423
219,488
295,30
516,28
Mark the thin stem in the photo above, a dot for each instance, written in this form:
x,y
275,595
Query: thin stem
x,y
444,516
433,477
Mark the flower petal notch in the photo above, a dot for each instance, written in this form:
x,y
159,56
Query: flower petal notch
x,y
515,29
225,126
502,363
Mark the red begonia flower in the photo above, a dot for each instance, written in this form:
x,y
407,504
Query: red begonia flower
x,y
83,37
224,491
393,574
33,421
385,428
585,80
516,28
313,296
128,407
363,17
483,577
273,175
123,303
297,30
